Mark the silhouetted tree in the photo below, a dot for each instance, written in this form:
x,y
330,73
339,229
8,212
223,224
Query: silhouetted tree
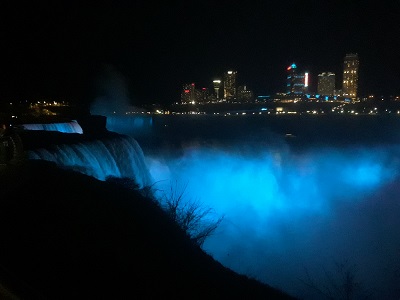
x,y
197,220
342,284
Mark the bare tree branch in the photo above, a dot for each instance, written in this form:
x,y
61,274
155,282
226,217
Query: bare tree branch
x,y
192,216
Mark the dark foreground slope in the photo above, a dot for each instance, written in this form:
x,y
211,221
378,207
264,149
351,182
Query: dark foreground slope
x,y
65,235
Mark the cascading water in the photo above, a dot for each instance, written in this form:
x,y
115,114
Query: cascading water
x,y
69,127
118,156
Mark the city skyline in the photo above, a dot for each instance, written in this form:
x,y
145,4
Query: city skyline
x,y
65,51
297,84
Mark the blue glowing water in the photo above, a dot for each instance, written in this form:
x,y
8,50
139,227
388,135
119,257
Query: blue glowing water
x,y
119,156
326,193
68,127
298,193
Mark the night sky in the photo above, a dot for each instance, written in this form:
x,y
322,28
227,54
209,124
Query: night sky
x,y
65,51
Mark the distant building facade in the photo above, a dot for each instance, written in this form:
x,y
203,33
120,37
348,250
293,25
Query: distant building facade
x,y
230,89
244,95
204,95
188,94
217,86
350,76
337,92
296,83
326,84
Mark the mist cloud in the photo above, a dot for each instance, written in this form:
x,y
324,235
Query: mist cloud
x,y
112,93
287,213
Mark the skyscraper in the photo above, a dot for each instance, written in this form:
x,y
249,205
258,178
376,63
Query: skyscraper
x,y
350,76
230,85
216,85
297,83
188,94
326,84
203,95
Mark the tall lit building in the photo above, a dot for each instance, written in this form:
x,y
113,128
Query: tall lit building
x,y
216,85
296,83
326,84
203,95
243,94
188,94
230,85
350,75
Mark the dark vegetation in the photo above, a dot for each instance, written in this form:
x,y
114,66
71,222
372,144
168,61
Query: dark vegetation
x,y
65,235
339,283
197,220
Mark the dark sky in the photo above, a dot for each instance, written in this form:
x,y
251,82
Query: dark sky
x,y
61,50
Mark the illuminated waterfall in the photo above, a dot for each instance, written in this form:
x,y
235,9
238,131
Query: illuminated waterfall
x,y
69,127
119,156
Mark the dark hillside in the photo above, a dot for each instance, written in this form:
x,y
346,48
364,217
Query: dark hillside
x,y
65,235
